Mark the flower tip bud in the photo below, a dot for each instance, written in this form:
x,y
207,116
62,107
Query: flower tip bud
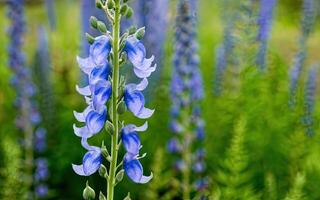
x,y
121,108
129,13
140,33
103,171
94,22
101,196
132,30
109,127
102,27
90,38
124,9
127,197
119,176
88,192
110,4
98,4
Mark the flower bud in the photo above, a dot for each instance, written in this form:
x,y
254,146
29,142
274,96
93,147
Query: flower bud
x,y
140,33
103,171
129,13
124,9
90,38
88,193
132,30
110,4
101,196
119,175
109,127
102,27
98,4
127,197
121,109
94,22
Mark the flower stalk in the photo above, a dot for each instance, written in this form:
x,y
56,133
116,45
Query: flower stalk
x,y
115,94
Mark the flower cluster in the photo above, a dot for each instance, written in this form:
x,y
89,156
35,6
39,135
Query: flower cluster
x,y
186,92
307,23
264,22
98,92
310,92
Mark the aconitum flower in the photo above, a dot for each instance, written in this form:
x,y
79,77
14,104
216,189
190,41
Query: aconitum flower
x,y
264,22
186,93
309,101
91,160
108,96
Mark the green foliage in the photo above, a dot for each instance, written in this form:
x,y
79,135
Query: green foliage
x,y
235,175
270,191
11,185
296,192
163,186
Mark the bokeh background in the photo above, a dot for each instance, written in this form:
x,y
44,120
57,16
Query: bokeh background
x,y
275,142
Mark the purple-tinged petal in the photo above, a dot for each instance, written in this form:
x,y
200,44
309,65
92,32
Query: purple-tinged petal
x,y
85,64
85,91
91,162
78,169
144,73
82,131
100,50
142,85
101,93
81,117
99,73
95,120
134,171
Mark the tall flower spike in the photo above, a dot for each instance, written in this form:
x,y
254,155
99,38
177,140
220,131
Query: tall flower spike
x,y
28,115
309,101
108,95
264,22
51,13
186,92
307,23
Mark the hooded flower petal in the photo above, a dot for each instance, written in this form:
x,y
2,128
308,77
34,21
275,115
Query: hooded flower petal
x,y
100,50
91,160
134,170
85,91
95,120
135,101
86,64
130,138
101,93
137,55
99,73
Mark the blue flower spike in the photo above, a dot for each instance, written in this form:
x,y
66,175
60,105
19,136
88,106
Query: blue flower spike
x,y
107,95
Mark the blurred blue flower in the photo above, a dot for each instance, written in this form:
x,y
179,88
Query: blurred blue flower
x,y
91,160
41,190
41,172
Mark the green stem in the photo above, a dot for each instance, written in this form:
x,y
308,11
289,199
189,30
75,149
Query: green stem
x,y
115,94
186,156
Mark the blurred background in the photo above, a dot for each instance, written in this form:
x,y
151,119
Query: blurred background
x,y
275,143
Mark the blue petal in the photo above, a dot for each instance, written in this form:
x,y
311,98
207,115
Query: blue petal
x,y
130,138
95,120
137,55
81,117
135,101
86,64
134,171
82,131
100,50
101,93
91,162
85,91
99,73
